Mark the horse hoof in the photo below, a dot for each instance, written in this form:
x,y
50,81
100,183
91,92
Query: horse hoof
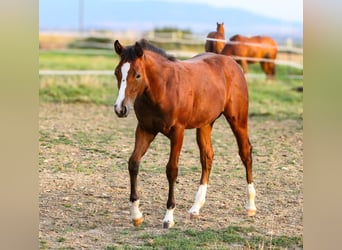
x,y
194,216
168,224
137,222
251,212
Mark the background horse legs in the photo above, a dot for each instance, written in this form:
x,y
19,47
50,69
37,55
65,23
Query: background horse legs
x,y
244,65
176,137
143,140
239,127
269,69
206,156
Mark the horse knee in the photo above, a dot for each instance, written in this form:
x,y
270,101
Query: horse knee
x,y
171,172
133,166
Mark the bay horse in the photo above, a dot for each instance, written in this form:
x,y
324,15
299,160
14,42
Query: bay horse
x,y
169,96
216,46
261,49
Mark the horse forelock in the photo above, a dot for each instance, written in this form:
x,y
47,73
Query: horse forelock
x,y
128,54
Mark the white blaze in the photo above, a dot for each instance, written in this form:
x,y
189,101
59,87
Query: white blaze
x,y
250,197
121,96
199,199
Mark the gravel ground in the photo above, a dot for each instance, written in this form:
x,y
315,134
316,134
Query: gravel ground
x,y
84,184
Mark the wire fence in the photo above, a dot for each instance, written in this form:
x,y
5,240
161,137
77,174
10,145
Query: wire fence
x,y
288,53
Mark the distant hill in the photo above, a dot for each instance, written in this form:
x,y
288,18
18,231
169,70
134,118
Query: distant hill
x,y
199,18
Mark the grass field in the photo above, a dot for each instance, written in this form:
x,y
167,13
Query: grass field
x,y
83,174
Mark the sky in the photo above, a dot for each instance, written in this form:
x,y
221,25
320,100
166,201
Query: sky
x,y
289,10
280,17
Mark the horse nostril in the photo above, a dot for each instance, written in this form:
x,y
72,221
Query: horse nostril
x,y
124,110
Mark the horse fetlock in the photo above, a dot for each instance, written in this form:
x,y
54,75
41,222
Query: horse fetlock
x,y
199,201
250,205
136,216
168,221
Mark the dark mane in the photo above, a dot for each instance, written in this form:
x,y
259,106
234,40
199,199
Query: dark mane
x,y
145,45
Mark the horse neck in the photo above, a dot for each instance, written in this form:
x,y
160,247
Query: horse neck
x,y
220,29
156,83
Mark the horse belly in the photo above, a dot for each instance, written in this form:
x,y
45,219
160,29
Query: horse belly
x,y
206,110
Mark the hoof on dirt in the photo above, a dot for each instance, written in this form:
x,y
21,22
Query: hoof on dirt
x,y
251,212
194,216
137,222
168,224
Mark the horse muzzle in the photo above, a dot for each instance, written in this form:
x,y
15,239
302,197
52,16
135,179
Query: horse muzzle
x,y
121,110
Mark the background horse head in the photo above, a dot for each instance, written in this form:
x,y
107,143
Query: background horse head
x,y
216,46
170,96
261,49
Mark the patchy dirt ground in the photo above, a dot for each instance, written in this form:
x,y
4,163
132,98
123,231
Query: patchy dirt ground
x,y
84,184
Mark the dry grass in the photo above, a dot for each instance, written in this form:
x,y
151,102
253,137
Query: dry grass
x,y
51,41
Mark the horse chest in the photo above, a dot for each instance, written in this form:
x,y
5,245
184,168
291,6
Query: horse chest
x,y
153,120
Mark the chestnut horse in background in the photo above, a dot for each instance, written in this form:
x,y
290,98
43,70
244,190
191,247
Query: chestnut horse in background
x,y
216,46
261,49
169,96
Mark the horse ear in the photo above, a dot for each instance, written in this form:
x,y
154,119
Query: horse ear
x,y
138,50
118,47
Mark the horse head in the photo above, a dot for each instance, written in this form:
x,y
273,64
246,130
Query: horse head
x,y
220,27
130,76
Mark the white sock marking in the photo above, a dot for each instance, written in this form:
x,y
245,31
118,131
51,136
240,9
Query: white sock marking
x,y
250,197
134,209
121,96
169,217
199,199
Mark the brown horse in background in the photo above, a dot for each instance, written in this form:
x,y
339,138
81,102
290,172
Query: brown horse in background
x,y
261,49
170,96
216,46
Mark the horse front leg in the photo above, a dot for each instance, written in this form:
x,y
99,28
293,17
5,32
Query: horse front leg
x,y
244,65
176,138
142,141
203,136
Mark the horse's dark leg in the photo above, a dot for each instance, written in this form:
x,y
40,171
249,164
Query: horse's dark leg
x,y
238,123
176,138
269,69
206,155
142,141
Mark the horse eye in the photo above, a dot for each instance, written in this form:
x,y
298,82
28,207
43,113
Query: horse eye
x,y
138,76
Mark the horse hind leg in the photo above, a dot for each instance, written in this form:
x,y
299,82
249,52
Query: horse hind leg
x,y
206,156
239,128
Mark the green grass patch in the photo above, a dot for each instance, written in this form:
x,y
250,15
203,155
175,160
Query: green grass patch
x,y
78,89
276,99
78,59
218,239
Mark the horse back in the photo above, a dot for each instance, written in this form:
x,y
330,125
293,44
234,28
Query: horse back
x,y
218,72
212,81
255,46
